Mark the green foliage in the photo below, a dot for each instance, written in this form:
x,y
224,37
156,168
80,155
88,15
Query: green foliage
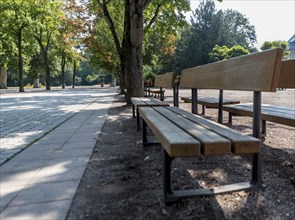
x,y
148,73
223,52
276,44
210,27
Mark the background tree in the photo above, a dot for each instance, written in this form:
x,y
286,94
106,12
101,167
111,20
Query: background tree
x,y
210,27
276,44
129,45
46,23
17,17
223,52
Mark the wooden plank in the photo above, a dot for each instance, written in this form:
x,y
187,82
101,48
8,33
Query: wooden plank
x,y
240,143
176,142
165,80
254,72
281,115
211,143
287,76
210,102
150,102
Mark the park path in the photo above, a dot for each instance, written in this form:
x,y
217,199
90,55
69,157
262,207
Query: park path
x,y
47,138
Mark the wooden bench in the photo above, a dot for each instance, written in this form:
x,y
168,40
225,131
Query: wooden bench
x,y
144,102
165,81
162,81
209,102
278,114
183,134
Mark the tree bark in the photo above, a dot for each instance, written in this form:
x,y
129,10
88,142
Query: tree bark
x,y
133,50
36,82
20,62
47,71
63,64
74,74
3,77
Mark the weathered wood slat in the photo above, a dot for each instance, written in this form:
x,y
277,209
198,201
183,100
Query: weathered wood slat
x,y
176,142
255,72
240,143
212,143
209,102
277,114
165,80
287,76
141,101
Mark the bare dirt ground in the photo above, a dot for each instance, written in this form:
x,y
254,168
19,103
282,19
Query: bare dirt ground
x,y
123,180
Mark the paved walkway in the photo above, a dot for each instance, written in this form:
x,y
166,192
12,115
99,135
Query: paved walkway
x,y
61,129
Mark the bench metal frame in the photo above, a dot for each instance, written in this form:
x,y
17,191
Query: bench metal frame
x,y
256,182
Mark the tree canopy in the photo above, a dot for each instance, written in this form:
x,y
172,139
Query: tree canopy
x,y
208,28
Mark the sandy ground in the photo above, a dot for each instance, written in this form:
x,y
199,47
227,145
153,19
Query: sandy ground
x,y
123,180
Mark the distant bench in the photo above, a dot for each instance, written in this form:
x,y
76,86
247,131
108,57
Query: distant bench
x,y
278,114
209,102
161,82
164,81
183,134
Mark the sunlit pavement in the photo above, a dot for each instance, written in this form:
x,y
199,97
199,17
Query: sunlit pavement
x,y
47,138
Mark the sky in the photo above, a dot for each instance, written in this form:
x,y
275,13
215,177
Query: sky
x,y
273,19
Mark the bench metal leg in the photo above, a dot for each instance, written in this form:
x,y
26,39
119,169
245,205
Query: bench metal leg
x,y
170,196
230,118
133,111
263,128
195,101
167,160
137,119
220,107
203,110
145,141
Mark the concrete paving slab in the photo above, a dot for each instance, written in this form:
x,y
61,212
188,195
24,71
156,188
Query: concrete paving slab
x,y
41,211
8,193
46,192
40,181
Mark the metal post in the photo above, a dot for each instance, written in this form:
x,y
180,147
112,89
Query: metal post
x,y
166,173
195,101
256,165
144,137
161,94
137,118
220,107
176,94
263,128
133,110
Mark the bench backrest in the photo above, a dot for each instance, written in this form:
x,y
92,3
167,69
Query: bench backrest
x,y
254,72
287,76
165,80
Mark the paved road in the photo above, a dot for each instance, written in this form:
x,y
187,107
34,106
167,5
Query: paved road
x,y
26,117
47,139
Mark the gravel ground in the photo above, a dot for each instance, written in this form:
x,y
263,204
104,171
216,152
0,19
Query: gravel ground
x,y
123,180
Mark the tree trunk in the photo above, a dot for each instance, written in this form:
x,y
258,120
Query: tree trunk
x,y
47,70
74,74
3,77
36,82
133,51
63,64
131,59
44,51
20,62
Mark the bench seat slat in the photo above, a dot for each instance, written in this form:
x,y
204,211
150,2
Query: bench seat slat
x,y
212,143
240,143
175,141
271,113
140,101
209,102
